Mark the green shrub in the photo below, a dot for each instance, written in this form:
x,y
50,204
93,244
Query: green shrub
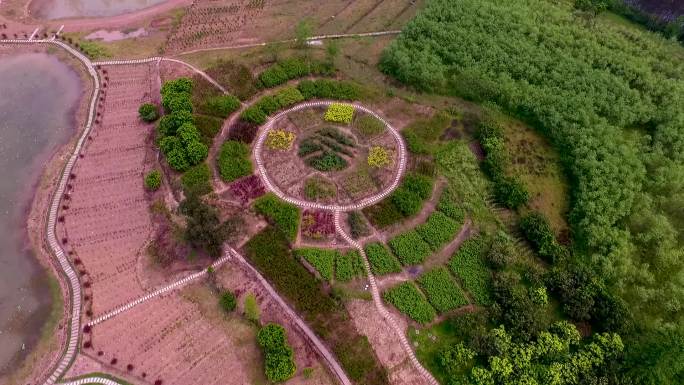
x,y
322,260
254,114
438,230
169,124
357,225
197,180
381,260
289,69
469,265
288,96
280,365
420,185
441,290
339,113
410,248
369,125
510,192
283,215
329,89
538,232
153,180
409,300
233,161
251,307
227,301
349,266
148,112
222,106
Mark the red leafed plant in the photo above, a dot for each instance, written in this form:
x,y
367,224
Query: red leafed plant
x,y
318,224
247,188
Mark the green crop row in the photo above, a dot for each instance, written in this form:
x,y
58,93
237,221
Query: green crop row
x,y
409,300
322,260
469,265
441,290
438,230
381,260
410,248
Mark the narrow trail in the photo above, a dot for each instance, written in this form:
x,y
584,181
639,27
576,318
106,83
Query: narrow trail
x,y
381,307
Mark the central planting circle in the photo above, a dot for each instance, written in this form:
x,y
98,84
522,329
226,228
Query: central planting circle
x,y
330,156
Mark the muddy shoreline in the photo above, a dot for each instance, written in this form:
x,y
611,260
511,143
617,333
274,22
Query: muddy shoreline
x,y
44,345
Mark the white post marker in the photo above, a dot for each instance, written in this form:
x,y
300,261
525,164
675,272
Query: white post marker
x,y
34,33
58,32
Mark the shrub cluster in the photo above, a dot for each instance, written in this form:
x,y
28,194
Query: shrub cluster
x,y
441,290
292,68
508,191
381,259
330,89
197,180
410,248
322,260
153,180
438,230
283,215
148,112
278,356
411,194
409,300
208,127
267,105
233,161
204,229
538,232
339,113
180,140
468,264
227,301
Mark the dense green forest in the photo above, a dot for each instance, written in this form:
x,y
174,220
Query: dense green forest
x,y
611,100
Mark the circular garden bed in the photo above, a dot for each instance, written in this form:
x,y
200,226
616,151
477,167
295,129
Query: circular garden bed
x,y
330,155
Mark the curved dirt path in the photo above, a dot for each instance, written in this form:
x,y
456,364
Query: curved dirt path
x,y
159,58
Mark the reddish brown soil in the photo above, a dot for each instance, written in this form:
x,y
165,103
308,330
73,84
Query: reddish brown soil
x,y
107,221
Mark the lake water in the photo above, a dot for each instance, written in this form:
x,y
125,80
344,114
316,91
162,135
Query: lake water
x,y
38,95
57,9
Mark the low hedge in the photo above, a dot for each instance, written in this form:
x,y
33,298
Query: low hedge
x,y
292,68
258,112
329,89
409,300
438,230
381,260
283,215
233,161
410,248
221,106
441,290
